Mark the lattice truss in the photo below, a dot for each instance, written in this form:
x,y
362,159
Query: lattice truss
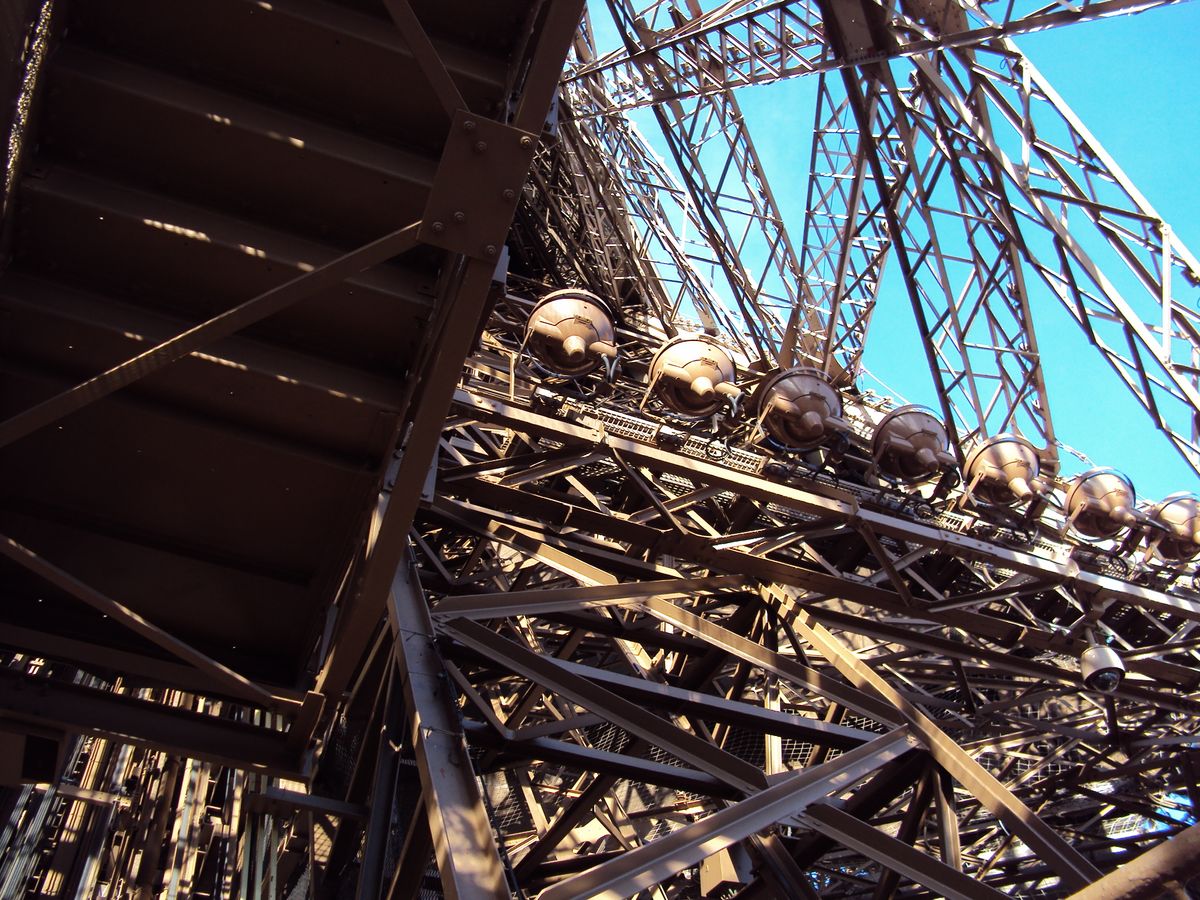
x,y
964,160
633,652
690,666
652,641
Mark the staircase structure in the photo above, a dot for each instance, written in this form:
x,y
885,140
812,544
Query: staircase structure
x,y
396,501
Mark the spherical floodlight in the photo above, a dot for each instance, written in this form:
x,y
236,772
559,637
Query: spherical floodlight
x,y
800,408
1180,515
911,444
1100,503
692,373
1004,470
1102,669
571,332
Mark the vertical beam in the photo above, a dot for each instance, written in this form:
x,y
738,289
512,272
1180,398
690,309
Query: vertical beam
x,y
234,830
910,827
370,872
462,833
428,395
414,859
541,80
737,211
948,820
844,245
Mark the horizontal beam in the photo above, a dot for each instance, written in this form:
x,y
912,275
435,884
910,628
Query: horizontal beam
x,y
134,667
784,667
42,702
535,603
995,659
785,40
719,709
834,506
553,674
224,679
281,800
898,856
650,863
589,759
233,320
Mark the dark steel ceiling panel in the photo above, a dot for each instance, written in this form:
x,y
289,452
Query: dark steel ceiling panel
x,y
185,158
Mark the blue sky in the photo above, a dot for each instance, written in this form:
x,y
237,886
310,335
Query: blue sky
x,y
1135,82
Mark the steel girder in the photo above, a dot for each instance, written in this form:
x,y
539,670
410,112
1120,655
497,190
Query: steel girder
x,y
445,149
749,42
959,250
983,172
577,564
600,649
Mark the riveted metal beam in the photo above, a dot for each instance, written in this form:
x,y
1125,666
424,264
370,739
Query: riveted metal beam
x,y
647,865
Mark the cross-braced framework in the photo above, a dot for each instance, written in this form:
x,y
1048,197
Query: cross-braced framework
x,y
654,598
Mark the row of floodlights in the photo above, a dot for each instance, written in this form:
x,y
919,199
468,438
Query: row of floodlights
x,y
573,332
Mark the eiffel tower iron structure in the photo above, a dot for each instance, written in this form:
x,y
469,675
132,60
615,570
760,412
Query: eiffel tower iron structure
x,y
432,466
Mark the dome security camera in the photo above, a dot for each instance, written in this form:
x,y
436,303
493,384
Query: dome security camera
x,y
1102,669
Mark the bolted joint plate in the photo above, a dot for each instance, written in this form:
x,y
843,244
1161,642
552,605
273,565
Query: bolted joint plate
x,y
478,181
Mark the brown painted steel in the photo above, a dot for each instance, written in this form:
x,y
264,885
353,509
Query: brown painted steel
x,y
652,862
525,600
462,838
228,681
214,329
119,717
1073,867
1151,874
898,855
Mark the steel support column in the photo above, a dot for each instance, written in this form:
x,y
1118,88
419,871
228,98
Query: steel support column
x,y
462,835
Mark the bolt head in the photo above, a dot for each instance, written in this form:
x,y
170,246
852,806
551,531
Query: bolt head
x,y
508,194
460,216
481,146
438,227
489,251
526,141
469,125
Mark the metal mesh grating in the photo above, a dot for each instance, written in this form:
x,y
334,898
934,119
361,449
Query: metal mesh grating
x,y
661,756
608,737
718,452
509,812
339,757
864,723
626,426
747,745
